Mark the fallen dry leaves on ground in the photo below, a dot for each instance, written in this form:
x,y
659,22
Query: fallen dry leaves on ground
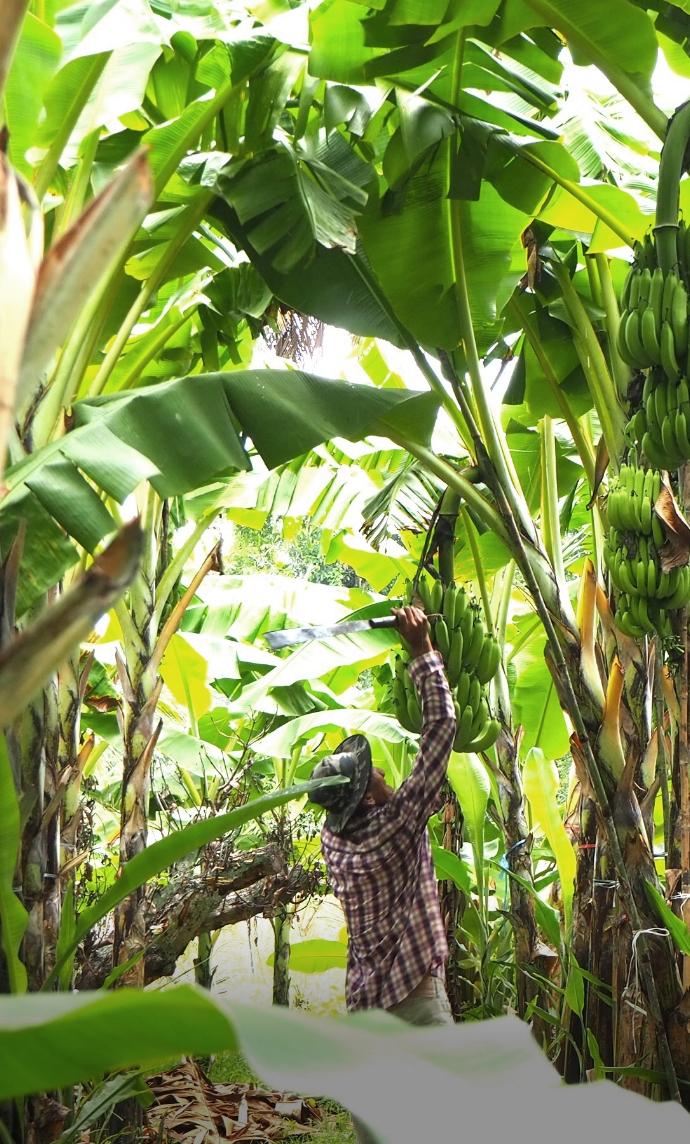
x,y
190,1109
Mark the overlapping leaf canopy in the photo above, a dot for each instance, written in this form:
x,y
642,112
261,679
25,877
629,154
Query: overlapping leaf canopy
x,y
182,435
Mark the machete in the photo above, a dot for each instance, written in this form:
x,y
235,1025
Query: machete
x,y
288,636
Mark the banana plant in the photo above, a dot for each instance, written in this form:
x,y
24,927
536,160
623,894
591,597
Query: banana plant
x,y
332,172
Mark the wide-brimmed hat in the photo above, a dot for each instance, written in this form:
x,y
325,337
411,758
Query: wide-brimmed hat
x,y
352,759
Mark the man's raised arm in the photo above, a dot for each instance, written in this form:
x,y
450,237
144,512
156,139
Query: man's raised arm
x,y
418,797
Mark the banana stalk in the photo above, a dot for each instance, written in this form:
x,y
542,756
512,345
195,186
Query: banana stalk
x,y
621,372
593,362
550,521
668,188
478,567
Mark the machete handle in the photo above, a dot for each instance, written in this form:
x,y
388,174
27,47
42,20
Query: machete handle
x,y
392,621
384,622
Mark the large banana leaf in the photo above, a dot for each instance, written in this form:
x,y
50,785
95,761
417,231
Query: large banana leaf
x,y
281,743
540,780
370,1063
410,250
244,607
36,57
536,706
182,435
416,43
618,37
79,262
470,781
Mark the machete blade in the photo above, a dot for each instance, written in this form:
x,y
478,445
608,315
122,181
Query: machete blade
x,y
288,636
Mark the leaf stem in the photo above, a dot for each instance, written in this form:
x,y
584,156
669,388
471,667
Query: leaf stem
x,y
594,365
49,165
496,448
189,221
549,512
621,372
478,567
584,448
454,480
174,568
577,192
415,349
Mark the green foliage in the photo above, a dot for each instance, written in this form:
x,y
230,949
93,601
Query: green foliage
x,y
397,181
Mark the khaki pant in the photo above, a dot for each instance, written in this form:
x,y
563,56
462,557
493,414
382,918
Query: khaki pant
x,y
428,1004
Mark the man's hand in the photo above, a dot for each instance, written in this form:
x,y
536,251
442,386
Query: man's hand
x,y
414,629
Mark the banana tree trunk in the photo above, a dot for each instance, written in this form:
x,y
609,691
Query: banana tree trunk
x,y
282,924
140,691
146,635
518,856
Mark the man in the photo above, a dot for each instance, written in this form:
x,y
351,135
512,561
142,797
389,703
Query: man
x,y
376,848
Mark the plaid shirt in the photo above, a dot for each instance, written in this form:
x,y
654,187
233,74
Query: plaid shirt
x,y
382,870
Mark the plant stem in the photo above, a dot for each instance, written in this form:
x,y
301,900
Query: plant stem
x,y
594,775
594,284
129,377
478,567
496,448
549,508
621,372
454,480
581,195
662,761
187,224
49,165
668,188
594,365
174,569
495,445
475,500
415,349
501,687
80,182
583,446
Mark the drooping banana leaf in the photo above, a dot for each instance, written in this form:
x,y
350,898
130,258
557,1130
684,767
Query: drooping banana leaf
x,y
370,1062
183,435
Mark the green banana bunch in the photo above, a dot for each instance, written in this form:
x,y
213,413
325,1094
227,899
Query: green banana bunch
x,y
476,729
635,567
471,656
653,328
406,702
631,499
662,424
638,617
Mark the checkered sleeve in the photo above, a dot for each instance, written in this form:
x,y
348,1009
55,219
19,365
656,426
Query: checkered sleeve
x,y
418,797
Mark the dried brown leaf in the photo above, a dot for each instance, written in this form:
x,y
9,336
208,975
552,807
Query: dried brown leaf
x,y
192,1110
676,550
